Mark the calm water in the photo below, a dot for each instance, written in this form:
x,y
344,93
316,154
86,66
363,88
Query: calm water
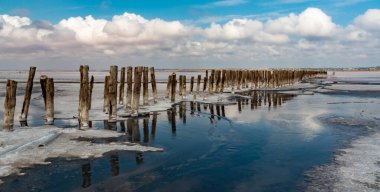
x,y
261,144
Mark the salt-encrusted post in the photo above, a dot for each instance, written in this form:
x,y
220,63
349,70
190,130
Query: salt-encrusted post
x,y
173,87
90,94
168,86
112,93
106,99
136,90
9,105
80,86
28,94
129,87
145,86
49,107
154,85
84,98
121,86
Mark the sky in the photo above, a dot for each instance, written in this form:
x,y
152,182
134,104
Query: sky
x,y
64,34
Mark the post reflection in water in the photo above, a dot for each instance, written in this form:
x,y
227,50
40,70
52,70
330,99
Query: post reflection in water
x,y
23,123
110,125
146,130
131,125
86,175
122,127
114,162
139,158
154,125
135,130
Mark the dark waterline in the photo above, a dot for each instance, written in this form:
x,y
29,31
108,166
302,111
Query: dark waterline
x,y
261,144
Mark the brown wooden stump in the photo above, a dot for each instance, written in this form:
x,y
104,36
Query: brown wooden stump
x,y
121,86
136,90
112,94
84,98
9,105
145,86
173,87
28,94
129,88
49,107
43,87
106,99
168,86
154,85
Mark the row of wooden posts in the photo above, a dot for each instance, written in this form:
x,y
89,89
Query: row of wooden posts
x,y
218,81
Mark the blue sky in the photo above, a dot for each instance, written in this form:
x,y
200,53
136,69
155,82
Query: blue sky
x,y
184,10
189,34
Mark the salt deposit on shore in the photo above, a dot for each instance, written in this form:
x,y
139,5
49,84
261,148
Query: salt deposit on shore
x,y
25,147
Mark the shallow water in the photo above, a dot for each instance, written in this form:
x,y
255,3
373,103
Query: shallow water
x,y
266,143
251,148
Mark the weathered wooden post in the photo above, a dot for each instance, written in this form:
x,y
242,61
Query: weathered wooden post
x,y
173,87
210,84
80,86
49,106
9,105
191,84
90,94
145,86
223,81
168,86
184,86
43,79
112,94
129,87
84,98
121,86
106,99
136,90
199,83
154,85
180,86
28,94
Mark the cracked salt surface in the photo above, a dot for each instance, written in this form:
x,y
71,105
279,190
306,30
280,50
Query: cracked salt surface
x,y
26,147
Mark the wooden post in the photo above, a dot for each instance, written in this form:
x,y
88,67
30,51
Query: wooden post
x,y
168,86
184,86
180,86
106,99
112,94
154,85
191,84
84,98
121,87
49,107
9,105
129,87
223,81
43,87
28,94
145,86
136,90
199,83
90,94
173,87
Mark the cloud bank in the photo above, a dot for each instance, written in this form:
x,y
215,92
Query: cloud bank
x,y
308,39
